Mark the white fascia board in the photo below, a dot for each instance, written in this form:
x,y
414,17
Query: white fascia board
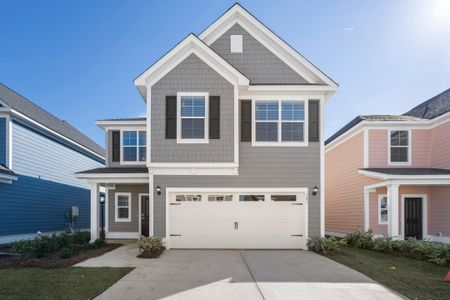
x,y
383,176
191,44
22,116
259,31
121,124
112,175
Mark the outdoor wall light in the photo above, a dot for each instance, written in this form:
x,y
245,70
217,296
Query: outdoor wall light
x,y
158,190
102,198
315,190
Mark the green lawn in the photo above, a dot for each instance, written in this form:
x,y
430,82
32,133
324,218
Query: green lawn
x,y
412,278
61,283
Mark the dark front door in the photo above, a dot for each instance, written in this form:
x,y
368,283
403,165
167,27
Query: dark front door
x,y
144,215
413,217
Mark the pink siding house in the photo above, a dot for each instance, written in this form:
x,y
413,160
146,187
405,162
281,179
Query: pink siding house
x,y
391,174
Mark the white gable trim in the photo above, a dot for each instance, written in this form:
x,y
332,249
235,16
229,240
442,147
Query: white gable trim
x,y
190,45
238,15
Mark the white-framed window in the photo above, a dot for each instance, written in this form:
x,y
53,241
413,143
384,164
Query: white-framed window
x,y
192,117
399,146
133,146
280,122
123,207
383,210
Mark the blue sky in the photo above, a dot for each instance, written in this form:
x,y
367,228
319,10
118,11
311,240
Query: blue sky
x,y
78,59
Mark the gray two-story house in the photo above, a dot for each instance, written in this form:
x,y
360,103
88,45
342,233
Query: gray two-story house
x,y
230,153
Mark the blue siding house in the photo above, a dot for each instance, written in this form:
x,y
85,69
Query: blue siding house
x,y
39,156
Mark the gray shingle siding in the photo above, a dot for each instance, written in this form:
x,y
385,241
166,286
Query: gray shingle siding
x,y
192,75
256,62
260,167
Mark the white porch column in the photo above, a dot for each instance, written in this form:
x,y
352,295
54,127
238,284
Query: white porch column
x,y
94,211
367,192
392,194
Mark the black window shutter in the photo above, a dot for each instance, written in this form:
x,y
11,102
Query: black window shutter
x,y
246,120
314,120
115,145
171,117
214,117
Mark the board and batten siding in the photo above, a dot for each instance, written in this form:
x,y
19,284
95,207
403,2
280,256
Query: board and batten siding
x,y
256,62
192,75
3,136
37,156
260,167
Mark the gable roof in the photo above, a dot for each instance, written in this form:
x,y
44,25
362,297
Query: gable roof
x,y
428,110
360,118
239,15
190,45
432,108
25,107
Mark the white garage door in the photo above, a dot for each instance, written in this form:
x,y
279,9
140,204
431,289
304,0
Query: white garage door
x,y
245,220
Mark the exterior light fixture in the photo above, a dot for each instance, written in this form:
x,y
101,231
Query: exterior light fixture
x,y
102,198
158,190
315,190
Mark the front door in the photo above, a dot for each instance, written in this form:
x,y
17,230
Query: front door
x,y
144,215
413,217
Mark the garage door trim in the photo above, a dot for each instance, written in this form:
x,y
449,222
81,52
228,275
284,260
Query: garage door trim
x,y
172,190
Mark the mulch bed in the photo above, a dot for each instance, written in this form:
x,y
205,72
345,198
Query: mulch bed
x,y
54,260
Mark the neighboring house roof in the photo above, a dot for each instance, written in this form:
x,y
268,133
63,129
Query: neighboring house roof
x,y
6,171
24,106
432,108
361,118
126,119
408,171
115,170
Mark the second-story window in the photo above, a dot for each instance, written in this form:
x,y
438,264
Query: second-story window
x,y
134,146
192,117
279,121
399,144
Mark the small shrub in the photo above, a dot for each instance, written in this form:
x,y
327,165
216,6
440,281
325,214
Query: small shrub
x,y
360,239
99,243
150,247
66,252
383,244
319,245
81,237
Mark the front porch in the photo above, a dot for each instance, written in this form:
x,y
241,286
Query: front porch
x,y
408,203
127,202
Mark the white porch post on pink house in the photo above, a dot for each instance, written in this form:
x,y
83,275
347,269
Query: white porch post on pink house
x,y
393,209
95,222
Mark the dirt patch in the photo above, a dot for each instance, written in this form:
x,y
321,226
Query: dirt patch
x,y
54,260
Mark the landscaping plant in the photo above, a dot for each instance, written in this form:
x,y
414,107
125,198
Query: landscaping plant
x,y
324,245
150,247
437,253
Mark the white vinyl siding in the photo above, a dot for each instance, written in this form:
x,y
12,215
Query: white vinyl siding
x,y
40,157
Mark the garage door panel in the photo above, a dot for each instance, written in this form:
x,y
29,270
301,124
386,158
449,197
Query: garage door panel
x,y
234,224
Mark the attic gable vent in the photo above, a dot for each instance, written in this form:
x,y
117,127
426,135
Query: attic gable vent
x,y
236,43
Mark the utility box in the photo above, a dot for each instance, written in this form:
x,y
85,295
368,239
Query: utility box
x,y
74,211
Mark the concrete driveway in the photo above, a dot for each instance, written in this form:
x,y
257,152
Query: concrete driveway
x,y
234,274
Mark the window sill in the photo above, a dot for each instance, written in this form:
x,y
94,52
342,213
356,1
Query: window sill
x,y
192,141
133,162
399,163
122,220
280,144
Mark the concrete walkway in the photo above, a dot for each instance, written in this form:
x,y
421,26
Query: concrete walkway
x,y
233,274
